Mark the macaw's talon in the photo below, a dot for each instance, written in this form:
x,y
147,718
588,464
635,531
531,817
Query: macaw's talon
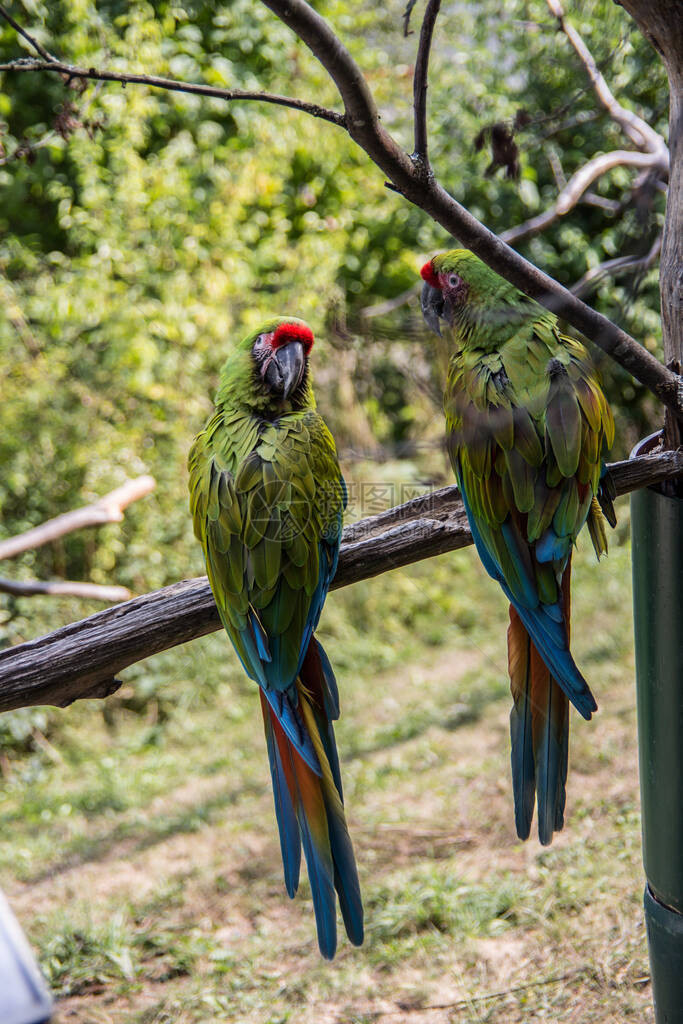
x,y
267,498
528,428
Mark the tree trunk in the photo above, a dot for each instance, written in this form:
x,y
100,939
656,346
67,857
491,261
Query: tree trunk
x,y
661,21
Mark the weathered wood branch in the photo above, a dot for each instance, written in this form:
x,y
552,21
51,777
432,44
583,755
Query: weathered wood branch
x,y
661,21
65,588
576,189
638,131
82,659
108,509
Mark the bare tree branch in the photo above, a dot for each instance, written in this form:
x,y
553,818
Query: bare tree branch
x,y
661,22
391,305
653,152
108,509
40,50
576,188
64,588
420,83
313,30
69,71
639,131
594,169
82,659
407,31
620,265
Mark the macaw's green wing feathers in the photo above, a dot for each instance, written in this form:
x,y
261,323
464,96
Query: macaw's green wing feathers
x,y
270,529
528,427
563,420
526,502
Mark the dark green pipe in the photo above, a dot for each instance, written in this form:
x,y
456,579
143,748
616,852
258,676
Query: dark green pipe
x,y
657,554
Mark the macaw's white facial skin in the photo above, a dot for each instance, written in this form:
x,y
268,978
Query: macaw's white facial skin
x,y
442,294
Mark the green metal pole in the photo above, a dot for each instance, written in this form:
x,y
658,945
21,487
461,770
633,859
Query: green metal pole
x,y
657,554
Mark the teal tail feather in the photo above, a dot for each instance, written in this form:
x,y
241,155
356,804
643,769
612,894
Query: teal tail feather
x,y
309,805
539,731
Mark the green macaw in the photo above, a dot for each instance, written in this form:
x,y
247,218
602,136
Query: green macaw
x,y
267,498
527,429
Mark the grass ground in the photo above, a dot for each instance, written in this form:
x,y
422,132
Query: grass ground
x,y
140,850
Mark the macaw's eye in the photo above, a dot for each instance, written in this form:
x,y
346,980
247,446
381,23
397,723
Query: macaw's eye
x,y
453,280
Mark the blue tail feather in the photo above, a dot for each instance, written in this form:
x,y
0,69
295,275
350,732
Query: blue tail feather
x,y
321,880
545,625
522,762
295,729
290,841
332,691
561,665
548,773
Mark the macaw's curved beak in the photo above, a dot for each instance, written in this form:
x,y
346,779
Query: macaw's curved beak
x,y
285,369
432,304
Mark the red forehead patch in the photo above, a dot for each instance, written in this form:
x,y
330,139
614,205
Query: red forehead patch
x,y
293,332
429,275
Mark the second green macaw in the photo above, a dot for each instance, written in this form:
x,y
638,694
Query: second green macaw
x,y
527,430
267,498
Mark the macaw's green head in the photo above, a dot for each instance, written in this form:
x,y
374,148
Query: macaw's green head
x,y
268,371
476,302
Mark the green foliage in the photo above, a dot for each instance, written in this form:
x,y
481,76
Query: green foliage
x,y
145,232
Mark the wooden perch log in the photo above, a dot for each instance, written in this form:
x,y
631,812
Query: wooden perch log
x,y
83,658
108,509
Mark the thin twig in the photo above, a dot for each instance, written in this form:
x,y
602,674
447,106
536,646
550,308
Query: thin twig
x,y
173,85
391,305
65,588
82,659
615,267
461,1004
407,31
613,206
420,84
108,509
27,36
